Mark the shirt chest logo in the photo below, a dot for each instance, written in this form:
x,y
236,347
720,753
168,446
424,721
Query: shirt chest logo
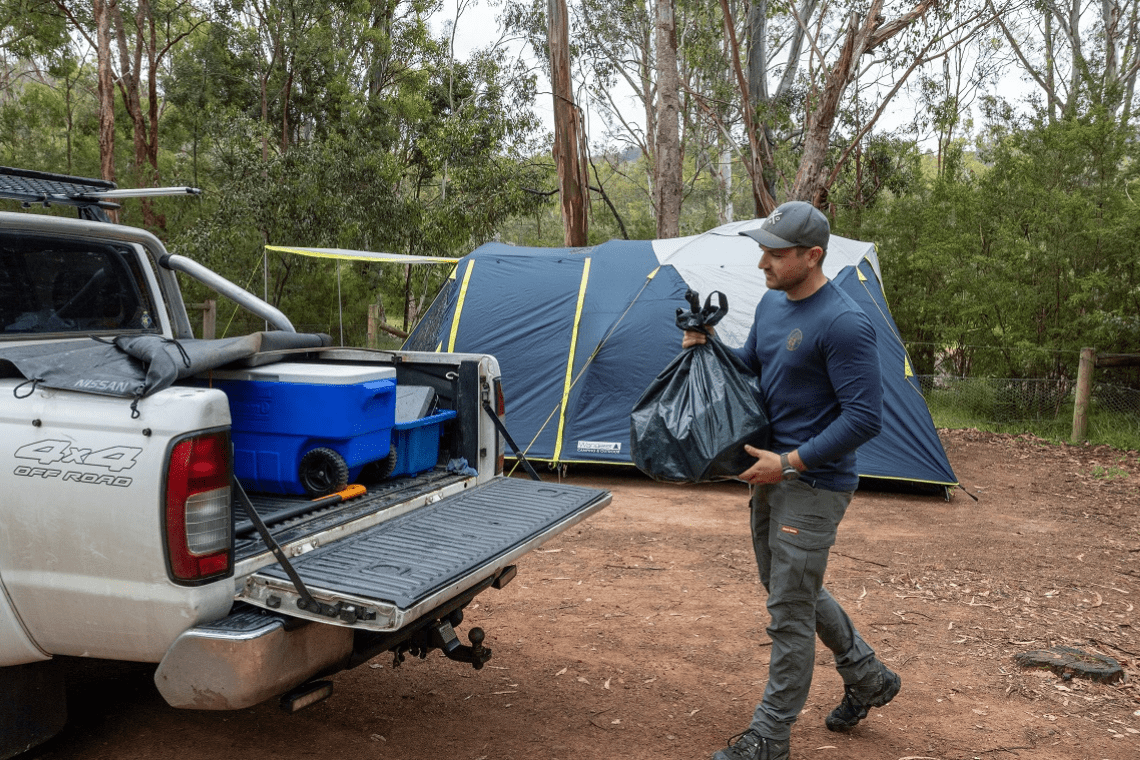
x,y
795,338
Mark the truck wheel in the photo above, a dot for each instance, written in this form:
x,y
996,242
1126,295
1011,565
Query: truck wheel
x,y
322,471
34,705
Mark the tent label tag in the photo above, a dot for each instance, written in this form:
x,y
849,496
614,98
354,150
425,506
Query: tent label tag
x,y
600,447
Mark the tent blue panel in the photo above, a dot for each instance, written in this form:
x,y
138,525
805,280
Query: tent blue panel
x,y
520,305
908,448
638,336
521,310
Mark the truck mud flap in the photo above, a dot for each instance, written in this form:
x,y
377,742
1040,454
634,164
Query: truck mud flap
x,y
388,575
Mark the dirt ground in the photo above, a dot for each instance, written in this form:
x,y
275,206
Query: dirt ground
x,y
641,634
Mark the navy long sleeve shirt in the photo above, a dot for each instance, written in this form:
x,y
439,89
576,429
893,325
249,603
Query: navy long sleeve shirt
x,y
818,362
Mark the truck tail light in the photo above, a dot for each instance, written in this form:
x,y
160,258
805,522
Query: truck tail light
x,y
501,411
199,534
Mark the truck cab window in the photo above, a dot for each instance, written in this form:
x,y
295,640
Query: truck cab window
x,y
53,287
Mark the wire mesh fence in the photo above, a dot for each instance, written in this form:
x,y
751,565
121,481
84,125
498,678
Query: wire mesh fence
x,y
964,388
1005,400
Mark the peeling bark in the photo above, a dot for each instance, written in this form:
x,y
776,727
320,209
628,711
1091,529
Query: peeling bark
x,y
668,161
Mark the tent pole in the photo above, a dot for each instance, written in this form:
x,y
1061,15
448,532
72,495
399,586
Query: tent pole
x,y
339,303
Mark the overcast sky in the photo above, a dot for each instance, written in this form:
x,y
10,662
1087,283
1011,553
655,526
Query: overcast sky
x,y
478,27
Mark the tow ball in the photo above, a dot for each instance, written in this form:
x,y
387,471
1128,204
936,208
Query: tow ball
x,y
443,637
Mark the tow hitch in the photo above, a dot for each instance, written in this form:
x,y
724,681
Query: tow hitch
x,y
441,635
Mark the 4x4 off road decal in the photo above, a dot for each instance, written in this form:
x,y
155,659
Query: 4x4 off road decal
x,y
113,459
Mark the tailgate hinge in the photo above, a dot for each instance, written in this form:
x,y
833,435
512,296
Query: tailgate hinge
x,y
349,613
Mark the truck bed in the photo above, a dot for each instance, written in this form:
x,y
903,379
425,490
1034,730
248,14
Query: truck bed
x,y
380,496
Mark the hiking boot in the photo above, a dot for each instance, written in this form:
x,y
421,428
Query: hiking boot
x,y
752,746
858,698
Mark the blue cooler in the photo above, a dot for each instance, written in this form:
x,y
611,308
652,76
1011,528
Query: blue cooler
x,y
305,428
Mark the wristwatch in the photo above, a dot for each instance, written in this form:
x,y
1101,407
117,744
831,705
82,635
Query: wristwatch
x,y
787,471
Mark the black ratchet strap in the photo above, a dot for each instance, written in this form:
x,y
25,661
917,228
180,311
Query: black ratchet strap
x,y
511,441
307,602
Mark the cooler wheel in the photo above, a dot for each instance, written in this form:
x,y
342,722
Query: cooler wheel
x,y
323,471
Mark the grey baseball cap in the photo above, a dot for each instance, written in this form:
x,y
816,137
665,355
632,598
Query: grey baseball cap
x,y
795,223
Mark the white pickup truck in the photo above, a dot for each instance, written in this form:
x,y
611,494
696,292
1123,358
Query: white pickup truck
x,y
124,533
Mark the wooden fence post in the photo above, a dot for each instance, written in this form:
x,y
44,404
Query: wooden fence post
x,y
209,311
373,321
1084,391
209,319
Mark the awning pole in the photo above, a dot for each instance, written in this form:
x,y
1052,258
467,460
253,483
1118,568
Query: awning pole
x,y
339,303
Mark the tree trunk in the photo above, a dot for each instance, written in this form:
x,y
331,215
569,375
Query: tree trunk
x,y
812,180
106,91
760,154
410,312
758,51
130,85
667,165
650,104
152,96
572,179
723,171
1050,83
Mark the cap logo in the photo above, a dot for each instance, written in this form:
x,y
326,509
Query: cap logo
x,y
773,218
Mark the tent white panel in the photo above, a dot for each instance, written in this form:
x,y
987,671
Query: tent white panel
x,y
722,259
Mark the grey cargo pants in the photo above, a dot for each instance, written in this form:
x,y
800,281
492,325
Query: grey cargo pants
x,y
793,528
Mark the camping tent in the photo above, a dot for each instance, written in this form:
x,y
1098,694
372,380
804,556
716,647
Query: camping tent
x,y
580,332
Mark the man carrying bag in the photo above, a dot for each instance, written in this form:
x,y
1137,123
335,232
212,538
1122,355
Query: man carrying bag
x,y
815,352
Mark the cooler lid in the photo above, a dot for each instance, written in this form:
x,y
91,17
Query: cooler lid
x,y
309,374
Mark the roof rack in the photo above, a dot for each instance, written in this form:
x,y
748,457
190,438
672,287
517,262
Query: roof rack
x,y
86,194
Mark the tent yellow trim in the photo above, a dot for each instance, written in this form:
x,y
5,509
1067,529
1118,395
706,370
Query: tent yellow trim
x,y
574,461
570,361
344,253
907,371
459,307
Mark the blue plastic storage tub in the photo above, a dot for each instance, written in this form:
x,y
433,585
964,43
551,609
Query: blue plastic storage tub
x,y
417,443
281,412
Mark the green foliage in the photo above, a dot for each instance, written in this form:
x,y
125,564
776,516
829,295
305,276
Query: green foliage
x,y
337,125
1036,253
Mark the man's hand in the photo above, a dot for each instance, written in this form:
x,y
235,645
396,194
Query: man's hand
x,y
696,338
766,470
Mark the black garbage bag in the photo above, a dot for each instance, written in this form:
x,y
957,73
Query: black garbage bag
x,y
692,422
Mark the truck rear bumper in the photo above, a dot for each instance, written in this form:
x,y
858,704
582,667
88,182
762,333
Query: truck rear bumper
x,y
247,658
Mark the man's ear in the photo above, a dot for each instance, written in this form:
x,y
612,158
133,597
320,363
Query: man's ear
x,y
815,254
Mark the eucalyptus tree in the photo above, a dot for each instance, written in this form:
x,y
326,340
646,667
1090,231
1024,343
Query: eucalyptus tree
x,y
792,90
131,43
47,87
1077,53
29,33
617,50
370,135
807,62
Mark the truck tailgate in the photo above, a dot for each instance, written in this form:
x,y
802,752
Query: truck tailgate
x,y
391,573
